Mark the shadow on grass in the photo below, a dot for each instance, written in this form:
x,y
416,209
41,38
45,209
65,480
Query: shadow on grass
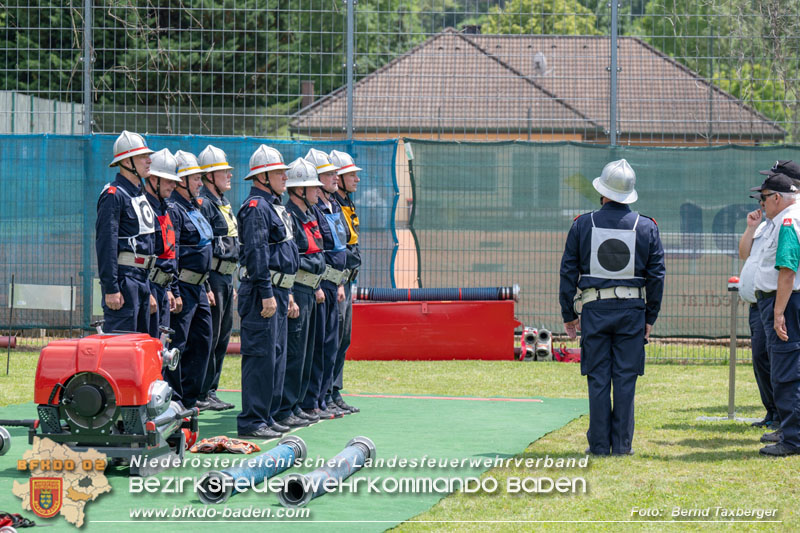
x,y
723,426
719,410
710,456
710,443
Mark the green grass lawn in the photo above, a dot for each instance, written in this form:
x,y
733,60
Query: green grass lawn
x,y
679,461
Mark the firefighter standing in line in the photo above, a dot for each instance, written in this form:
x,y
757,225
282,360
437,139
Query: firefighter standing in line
x,y
125,240
615,257
303,187
334,238
347,184
217,210
158,187
269,261
192,318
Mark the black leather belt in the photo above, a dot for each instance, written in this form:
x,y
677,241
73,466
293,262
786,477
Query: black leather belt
x,y
760,295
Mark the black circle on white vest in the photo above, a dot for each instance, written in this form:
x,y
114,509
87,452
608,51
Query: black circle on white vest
x,y
613,255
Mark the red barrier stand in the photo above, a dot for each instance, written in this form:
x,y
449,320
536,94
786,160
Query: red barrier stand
x,y
433,331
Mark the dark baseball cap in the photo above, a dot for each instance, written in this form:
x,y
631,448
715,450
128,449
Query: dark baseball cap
x,y
783,166
777,183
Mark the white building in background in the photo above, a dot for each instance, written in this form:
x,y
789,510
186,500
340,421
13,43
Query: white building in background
x,y
21,113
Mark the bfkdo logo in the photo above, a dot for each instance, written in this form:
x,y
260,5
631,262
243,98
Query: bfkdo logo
x,y
46,495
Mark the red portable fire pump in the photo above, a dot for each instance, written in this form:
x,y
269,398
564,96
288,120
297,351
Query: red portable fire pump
x,y
106,392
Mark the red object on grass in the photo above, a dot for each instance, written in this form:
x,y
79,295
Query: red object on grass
x,y
130,363
5,341
433,331
567,355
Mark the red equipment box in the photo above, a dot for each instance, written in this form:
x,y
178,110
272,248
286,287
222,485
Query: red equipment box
x,y
130,363
433,330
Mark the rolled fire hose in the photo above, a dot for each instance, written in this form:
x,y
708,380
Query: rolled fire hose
x,y
420,295
219,486
299,489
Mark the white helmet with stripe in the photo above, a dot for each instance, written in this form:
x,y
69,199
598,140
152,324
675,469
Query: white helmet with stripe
x,y
187,164
320,160
344,162
212,159
302,173
264,159
163,165
128,144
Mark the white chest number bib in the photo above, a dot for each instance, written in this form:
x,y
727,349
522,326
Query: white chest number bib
x,y
286,218
613,252
145,214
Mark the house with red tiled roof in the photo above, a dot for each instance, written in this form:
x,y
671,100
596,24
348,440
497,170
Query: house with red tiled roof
x,y
541,88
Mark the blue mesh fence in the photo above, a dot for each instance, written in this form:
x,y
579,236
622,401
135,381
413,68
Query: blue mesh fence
x,y
494,214
484,214
48,208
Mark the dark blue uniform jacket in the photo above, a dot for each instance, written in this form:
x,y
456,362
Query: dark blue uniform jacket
x,y
165,243
192,233
648,267
263,239
116,222
334,233
353,251
225,247
308,238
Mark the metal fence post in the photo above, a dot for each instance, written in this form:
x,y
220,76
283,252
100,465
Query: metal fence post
x,y
612,112
733,289
86,271
349,68
87,67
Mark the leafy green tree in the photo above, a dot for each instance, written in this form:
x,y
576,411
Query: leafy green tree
x,y
541,17
44,63
756,86
684,30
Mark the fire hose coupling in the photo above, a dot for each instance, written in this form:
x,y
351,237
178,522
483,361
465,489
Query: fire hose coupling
x,y
170,357
5,441
544,345
218,486
299,489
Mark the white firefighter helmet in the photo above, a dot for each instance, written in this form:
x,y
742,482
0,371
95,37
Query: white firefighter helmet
x,y
264,159
302,173
320,160
187,164
212,159
128,144
344,162
617,182
163,165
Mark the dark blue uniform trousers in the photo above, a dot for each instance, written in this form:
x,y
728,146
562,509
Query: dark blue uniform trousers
x,y
258,360
134,315
326,344
221,325
281,325
345,329
785,365
761,366
193,338
299,352
160,317
612,355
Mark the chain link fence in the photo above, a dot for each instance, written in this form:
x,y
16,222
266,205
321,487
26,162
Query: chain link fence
x,y
652,74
